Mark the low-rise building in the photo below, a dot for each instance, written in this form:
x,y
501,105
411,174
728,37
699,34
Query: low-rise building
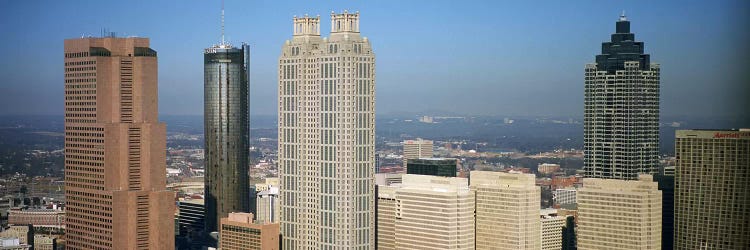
x,y
238,231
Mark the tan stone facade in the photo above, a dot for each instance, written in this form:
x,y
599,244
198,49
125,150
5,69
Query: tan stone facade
x,y
114,147
415,149
619,214
238,232
507,210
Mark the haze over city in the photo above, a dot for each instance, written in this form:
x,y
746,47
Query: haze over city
x,y
437,57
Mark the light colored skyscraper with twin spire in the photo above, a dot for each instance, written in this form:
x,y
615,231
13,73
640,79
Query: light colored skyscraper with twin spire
x,y
327,136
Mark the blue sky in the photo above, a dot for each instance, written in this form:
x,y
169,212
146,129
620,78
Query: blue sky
x,y
461,57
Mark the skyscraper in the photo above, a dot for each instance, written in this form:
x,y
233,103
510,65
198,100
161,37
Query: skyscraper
x,y
619,214
327,136
507,210
115,147
711,196
447,167
226,131
621,110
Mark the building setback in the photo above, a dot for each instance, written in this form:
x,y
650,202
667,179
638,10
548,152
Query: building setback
x,y
507,210
327,136
115,147
621,110
619,214
711,197
226,131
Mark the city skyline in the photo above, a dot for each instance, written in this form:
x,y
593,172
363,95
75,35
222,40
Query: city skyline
x,y
493,36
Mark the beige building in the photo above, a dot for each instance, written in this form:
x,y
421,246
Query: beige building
x,y
44,242
552,226
268,205
327,136
431,212
619,214
20,232
239,232
507,210
386,217
269,182
415,149
711,196
115,147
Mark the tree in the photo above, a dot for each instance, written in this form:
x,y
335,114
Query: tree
x,y
569,241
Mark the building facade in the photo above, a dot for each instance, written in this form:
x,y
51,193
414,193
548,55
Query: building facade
x,y
434,212
564,196
621,110
711,197
239,232
432,166
115,147
415,149
268,206
54,218
327,136
226,131
385,213
507,210
552,228
619,214
191,221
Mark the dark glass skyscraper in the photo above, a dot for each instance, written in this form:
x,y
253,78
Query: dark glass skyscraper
x,y
432,166
226,131
621,113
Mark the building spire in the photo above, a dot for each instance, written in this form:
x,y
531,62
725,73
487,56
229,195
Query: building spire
x,y
222,22
623,17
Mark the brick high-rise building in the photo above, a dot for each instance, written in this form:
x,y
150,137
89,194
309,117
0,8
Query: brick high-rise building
x,y
327,136
621,110
115,147
710,190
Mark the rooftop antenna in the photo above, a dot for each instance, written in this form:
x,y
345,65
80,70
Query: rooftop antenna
x,y
222,22
622,16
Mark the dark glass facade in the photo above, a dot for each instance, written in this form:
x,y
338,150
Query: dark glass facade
x,y
435,167
666,185
226,132
622,48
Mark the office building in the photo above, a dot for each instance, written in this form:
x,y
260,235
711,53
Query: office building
x,y
385,217
507,210
13,244
666,185
269,182
44,242
446,167
621,110
552,228
563,196
226,130
24,233
431,212
327,136
415,149
115,147
619,214
239,232
191,221
268,205
386,179
711,196
39,217
548,168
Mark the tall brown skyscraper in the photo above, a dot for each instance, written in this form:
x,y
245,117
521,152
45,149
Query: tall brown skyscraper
x,y
114,147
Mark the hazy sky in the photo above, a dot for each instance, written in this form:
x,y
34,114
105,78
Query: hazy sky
x,y
465,57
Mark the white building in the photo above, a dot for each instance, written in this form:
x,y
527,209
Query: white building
x,y
327,136
268,205
564,196
507,210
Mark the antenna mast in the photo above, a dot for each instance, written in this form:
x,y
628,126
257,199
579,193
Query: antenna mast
x,y
222,22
